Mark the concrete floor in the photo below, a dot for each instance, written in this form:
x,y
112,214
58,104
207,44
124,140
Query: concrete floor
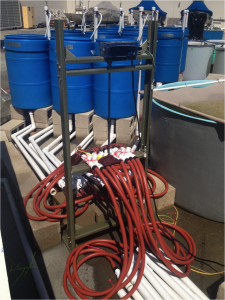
x,y
208,236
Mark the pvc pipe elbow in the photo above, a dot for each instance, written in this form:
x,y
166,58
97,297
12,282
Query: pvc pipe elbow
x,y
53,192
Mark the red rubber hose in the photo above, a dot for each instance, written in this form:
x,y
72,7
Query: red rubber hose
x,y
128,183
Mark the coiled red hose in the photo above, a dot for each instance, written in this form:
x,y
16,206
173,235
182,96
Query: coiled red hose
x,y
133,189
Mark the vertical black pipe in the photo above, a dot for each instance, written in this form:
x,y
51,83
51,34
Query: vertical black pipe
x,y
109,120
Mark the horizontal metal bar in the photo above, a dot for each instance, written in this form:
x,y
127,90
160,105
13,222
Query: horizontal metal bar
x,y
90,230
82,167
107,70
95,228
95,59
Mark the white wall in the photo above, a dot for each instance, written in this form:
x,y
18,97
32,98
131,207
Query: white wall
x,y
172,7
39,7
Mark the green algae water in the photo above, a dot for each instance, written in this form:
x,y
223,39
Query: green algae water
x,y
213,108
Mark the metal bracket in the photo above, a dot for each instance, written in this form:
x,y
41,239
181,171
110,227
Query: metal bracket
x,y
69,55
144,48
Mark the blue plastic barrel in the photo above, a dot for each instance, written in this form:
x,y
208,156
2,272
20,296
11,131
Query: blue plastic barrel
x,y
133,32
66,32
212,35
122,101
168,54
184,49
217,35
79,88
28,70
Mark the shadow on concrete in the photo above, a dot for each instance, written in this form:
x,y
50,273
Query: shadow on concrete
x,y
213,288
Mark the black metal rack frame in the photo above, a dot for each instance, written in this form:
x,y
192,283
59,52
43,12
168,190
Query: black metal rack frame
x,y
65,57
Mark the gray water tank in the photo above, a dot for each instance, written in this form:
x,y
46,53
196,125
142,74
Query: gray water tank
x,y
198,61
219,67
189,153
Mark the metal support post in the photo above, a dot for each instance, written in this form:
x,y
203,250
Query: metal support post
x,y
153,51
60,51
146,92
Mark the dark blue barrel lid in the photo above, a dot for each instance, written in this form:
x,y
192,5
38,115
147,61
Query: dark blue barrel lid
x,y
75,38
170,33
26,43
120,39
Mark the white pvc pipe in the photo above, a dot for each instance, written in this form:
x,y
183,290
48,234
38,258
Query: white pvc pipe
x,y
167,278
142,289
59,146
156,284
51,153
87,143
26,146
188,283
49,165
170,291
186,85
122,293
41,138
121,20
131,17
157,15
141,10
89,137
133,149
112,126
24,152
153,13
95,23
186,23
149,285
177,279
136,295
31,151
47,20
158,84
112,138
84,19
184,19
22,145
51,157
